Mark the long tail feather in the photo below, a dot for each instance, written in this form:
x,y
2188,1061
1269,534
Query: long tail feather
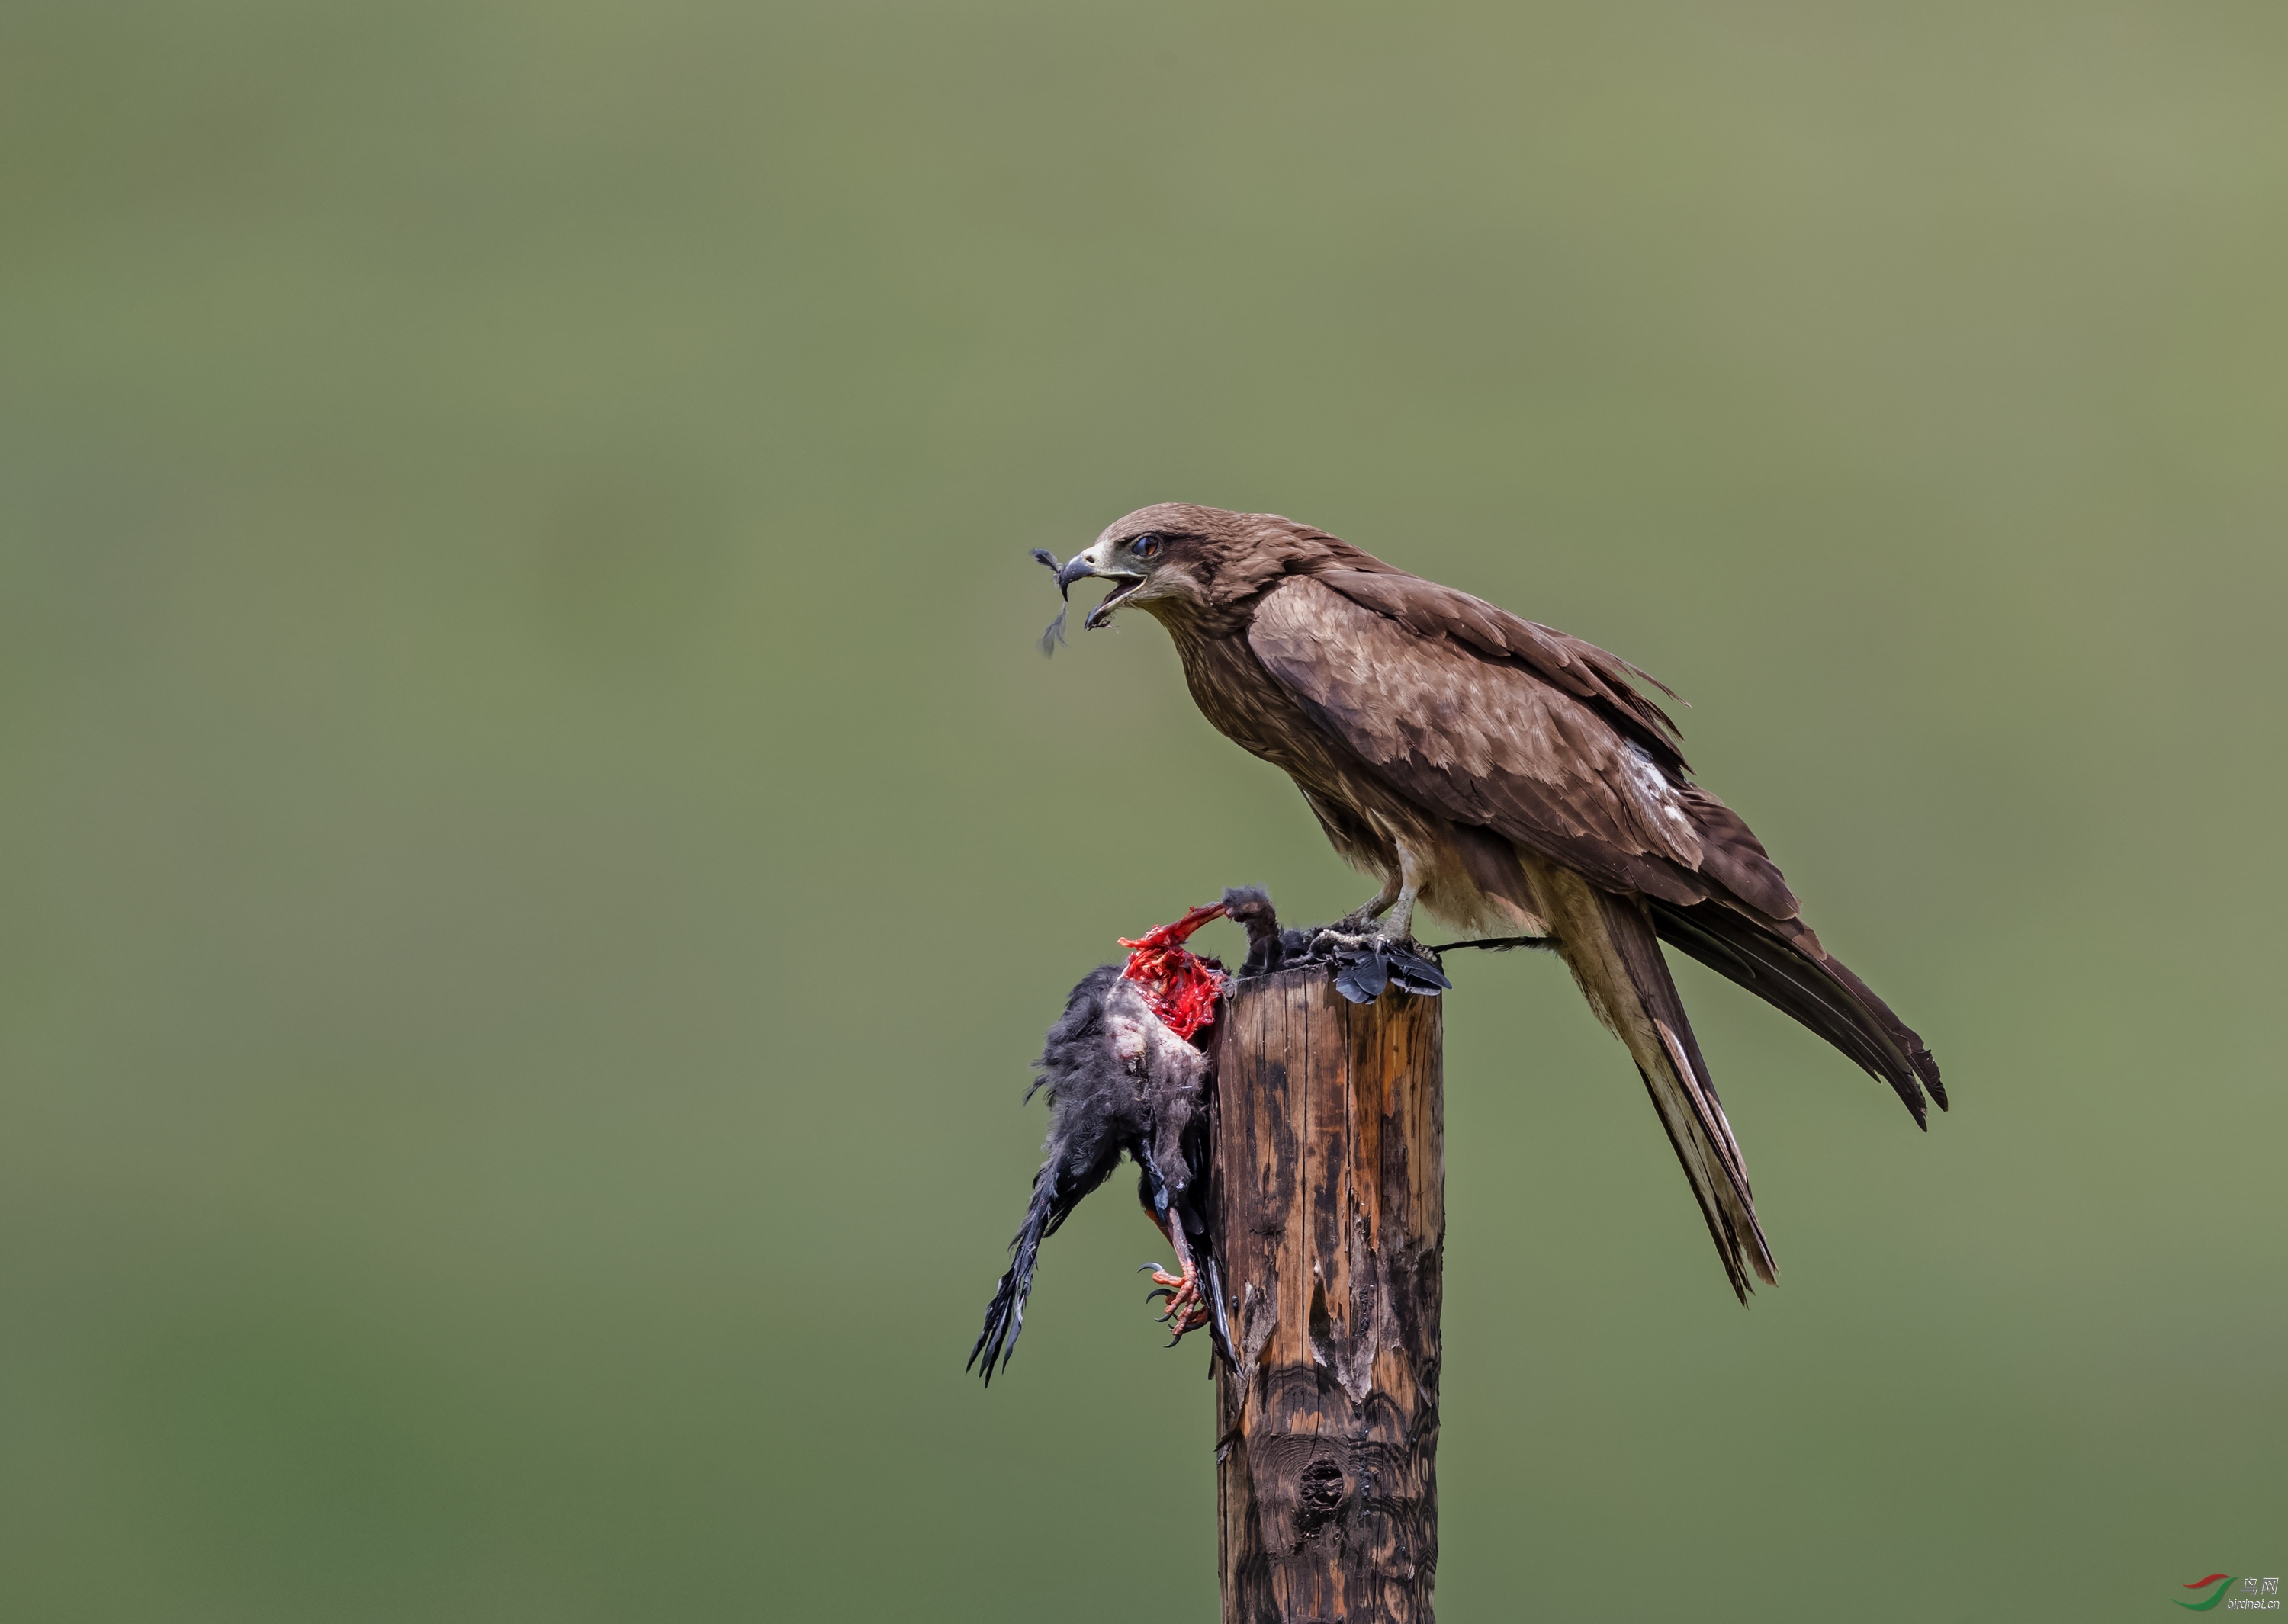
x,y
1813,989
1004,1316
1682,1092
1608,943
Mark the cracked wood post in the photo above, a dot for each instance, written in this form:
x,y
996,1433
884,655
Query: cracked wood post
x,y
1328,1220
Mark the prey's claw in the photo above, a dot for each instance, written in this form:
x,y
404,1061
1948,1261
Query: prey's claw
x,y
1187,1310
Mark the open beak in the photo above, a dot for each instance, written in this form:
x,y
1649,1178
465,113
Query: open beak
x,y
1079,567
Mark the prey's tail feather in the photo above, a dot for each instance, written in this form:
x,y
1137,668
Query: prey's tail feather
x,y
1805,984
1668,1057
1004,1316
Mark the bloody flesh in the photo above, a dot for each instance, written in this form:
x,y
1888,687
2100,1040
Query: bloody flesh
x,y
1180,986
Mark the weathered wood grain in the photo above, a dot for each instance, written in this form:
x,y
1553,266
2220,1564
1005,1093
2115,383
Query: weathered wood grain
x,y
1328,1207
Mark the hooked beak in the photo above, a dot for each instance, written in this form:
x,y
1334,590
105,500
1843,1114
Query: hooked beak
x,y
1081,565
1077,568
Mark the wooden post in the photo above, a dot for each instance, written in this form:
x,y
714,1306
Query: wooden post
x,y
1329,1217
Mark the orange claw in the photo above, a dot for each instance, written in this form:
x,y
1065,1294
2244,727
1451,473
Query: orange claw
x,y
1187,1309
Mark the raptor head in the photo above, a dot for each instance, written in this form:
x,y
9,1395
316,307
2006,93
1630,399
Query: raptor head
x,y
1151,557
1178,562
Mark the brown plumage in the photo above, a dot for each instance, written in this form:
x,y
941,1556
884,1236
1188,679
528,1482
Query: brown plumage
x,y
1512,780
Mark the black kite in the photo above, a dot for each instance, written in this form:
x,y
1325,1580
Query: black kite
x,y
1510,779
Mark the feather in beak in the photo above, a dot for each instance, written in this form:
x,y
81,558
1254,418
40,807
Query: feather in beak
x,y
1055,632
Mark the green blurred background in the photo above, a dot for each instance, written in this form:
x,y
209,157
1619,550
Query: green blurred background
x,y
541,845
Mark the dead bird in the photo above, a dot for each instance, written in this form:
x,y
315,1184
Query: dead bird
x,y
1124,1076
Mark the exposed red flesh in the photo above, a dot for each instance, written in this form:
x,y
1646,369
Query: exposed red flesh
x,y
1180,986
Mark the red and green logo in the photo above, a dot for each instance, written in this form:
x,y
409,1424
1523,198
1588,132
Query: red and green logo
x,y
2222,1582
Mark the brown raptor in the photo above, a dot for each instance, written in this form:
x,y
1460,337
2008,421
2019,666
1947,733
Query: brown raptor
x,y
1508,777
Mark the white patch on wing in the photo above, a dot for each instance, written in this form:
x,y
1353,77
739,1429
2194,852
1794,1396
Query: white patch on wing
x,y
1654,796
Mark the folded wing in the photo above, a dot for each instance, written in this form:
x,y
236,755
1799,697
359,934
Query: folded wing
x,y
1494,722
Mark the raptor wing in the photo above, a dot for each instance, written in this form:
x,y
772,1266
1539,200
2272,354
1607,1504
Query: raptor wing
x,y
1492,721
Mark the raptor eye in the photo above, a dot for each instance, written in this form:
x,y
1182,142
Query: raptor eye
x,y
1145,546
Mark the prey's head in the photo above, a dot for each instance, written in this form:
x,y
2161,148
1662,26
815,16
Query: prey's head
x,y
1180,562
1249,908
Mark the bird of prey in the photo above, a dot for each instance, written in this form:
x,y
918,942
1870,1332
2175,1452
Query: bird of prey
x,y
1507,778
